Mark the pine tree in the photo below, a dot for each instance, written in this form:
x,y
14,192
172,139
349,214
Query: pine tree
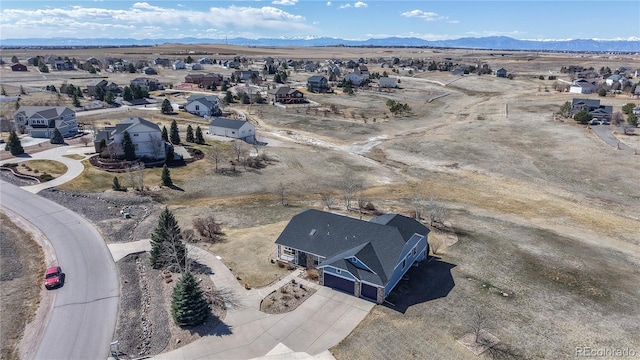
x,y
56,137
116,185
173,133
188,304
14,145
190,137
165,134
166,176
76,101
127,95
167,249
166,107
128,147
199,137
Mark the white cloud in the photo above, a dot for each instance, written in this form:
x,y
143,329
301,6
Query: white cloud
x,y
426,15
344,6
284,2
329,3
360,4
80,21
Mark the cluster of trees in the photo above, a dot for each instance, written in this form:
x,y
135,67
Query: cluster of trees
x,y
173,135
397,108
134,92
632,118
189,306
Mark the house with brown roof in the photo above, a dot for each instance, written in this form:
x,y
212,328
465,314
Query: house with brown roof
x,y
18,67
286,95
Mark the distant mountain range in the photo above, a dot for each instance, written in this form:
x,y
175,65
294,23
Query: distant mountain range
x,y
490,43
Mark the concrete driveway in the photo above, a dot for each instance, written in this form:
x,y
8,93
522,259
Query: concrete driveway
x,y
318,324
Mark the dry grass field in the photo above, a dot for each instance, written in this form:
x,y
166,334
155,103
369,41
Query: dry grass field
x,y
544,210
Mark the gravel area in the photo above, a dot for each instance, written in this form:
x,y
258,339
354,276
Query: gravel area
x,y
286,299
104,211
145,326
12,179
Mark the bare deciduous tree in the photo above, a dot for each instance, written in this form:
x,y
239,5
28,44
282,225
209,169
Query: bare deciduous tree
x,y
85,140
478,322
208,228
437,213
217,153
329,199
282,193
239,148
349,186
156,143
114,149
617,118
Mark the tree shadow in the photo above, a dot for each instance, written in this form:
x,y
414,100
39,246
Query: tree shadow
x,y
199,268
23,155
213,326
430,280
176,187
229,297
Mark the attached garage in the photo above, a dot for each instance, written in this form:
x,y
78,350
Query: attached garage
x,y
369,291
339,283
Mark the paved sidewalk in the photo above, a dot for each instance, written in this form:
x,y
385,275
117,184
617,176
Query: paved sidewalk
x,y
74,167
307,332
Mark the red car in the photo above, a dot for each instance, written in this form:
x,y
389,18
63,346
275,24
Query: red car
x,y
53,277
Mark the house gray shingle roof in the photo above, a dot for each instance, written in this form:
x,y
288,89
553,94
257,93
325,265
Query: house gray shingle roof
x,y
126,124
227,123
377,243
47,112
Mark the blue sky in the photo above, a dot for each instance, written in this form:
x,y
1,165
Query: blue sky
x,y
357,20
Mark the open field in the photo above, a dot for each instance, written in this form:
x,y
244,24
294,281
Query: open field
x,y
543,209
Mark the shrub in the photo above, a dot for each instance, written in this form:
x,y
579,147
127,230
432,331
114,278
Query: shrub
x,y
9,165
45,177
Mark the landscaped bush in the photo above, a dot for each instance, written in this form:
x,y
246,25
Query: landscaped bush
x,y
197,152
45,177
10,165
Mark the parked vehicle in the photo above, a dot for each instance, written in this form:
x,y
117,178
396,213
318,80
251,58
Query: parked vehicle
x,y
594,122
53,277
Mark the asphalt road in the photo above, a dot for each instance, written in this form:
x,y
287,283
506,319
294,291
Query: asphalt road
x,y
605,133
85,310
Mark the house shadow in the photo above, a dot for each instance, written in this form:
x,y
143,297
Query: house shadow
x,y
430,280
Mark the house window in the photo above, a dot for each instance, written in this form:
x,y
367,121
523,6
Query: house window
x,y
338,271
135,134
287,251
197,107
404,263
415,250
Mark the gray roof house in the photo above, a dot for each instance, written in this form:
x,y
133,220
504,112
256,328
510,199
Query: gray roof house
x,y
364,258
40,121
203,105
317,83
593,107
238,129
145,135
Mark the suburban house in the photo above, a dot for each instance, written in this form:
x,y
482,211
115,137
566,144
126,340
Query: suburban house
x,y
356,78
93,85
286,95
363,70
162,62
57,63
616,79
203,105
593,107
40,121
195,66
145,136
149,71
178,65
18,67
204,80
363,258
583,86
149,84
317,84
502,72
205,61
238,129
244,75
388,82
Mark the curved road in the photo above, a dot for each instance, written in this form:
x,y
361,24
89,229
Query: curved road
x,y
82,323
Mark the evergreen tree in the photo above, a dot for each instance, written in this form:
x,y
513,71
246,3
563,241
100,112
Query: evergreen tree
x,y
167,249
188,304
76,101
128,147
116,185
14,145
3,92
127,95
228,97
190,137
165,134
166,176
99,93
109,98
173,133
199,137
56,137
166,107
